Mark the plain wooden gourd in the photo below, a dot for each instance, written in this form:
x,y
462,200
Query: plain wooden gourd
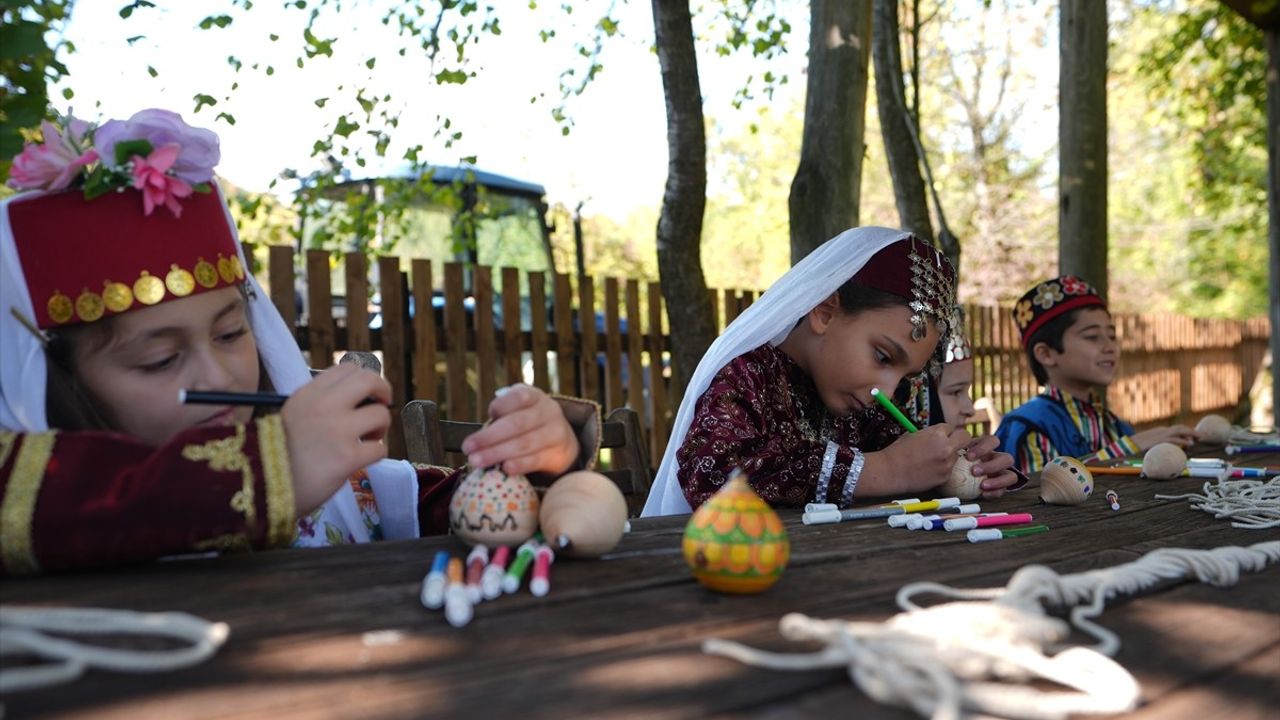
x,y
1065,481
583,514
961,483
1214,429
1164,461
493,508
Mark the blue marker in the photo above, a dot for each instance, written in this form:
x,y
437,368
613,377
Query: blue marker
x,y
433,584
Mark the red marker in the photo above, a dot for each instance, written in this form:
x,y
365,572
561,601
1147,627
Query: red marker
x,y
476,561
542,559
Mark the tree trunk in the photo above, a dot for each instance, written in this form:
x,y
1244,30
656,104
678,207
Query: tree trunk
x,y
684,199
899,146
1082,141
828,182
1273,203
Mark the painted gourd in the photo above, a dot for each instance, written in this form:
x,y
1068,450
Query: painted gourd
x,y
961,482
735,542
1164,461
1214,429
493,508
1065,481
583,515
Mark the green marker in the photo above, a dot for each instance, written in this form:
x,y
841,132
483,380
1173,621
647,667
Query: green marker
x,y
888,405
1000,533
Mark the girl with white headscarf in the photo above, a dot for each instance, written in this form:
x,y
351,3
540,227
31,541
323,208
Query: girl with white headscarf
x,y
121,282
784,392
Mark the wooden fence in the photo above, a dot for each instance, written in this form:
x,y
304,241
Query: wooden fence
x,y
1173,368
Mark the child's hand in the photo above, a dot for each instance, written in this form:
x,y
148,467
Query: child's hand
x,y
993,467
326,428
924,459
1180,435
527,433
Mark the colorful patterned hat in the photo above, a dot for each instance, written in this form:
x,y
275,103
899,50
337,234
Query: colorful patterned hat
x,y
916,271
1051,299
111,237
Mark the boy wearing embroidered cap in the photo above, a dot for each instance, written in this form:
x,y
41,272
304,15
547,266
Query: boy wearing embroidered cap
x,y
785,392
123,282
1071,347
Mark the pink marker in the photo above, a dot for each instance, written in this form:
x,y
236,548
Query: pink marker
x,y
542,559
475,570
491,581
969,523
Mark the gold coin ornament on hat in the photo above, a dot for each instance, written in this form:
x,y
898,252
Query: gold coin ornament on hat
x,y
117,296
735,542
89,306
225,269
237,267
179,281
206,274
148,289
1065,481
61,309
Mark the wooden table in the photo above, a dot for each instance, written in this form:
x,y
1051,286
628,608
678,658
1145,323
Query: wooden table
x,y
341,632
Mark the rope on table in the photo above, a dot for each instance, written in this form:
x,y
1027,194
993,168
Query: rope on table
x,y
1251,504
25,631
961,656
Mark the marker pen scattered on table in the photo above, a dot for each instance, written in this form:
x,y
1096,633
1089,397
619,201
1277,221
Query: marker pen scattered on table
x,y
834,516
986,534
892,409
524,556
540,584
906,519
1250,472
476,561
1233,449
433,584
938,522
457,608
818,507
969,523
491,581
1113,499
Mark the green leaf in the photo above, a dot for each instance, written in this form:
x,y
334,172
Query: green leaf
x,y
68,93
231,119
22,39
451,77
202,100
321,102
220,20
203,188
345,127
152,71
126,149
370,63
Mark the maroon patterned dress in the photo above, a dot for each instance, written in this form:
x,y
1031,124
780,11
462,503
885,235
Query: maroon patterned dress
x,y
762,413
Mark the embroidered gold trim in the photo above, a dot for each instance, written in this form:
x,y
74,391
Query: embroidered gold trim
x,y
428,466
278,479
227,455
148,289
231,542
7,441
19,505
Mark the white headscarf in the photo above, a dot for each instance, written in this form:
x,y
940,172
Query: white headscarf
x,y
770,319
23,376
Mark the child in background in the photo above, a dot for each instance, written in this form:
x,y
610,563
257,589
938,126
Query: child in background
x,y
1071,346
118,294
784,392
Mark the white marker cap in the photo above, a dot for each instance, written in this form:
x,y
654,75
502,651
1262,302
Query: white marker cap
x,y
964,523
822,517
818,507
984,535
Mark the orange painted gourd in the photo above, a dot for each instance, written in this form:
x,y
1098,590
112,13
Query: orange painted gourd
x,y
735,542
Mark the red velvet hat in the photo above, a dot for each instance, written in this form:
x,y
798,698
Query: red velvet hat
x,y
88,259
130,217
916,271
1051,299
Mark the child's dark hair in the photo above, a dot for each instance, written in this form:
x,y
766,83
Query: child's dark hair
x,y
856,298
1050,334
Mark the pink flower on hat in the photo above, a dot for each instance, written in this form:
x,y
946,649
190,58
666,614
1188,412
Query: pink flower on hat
x,y
198,150
1073,285
151,176
54,163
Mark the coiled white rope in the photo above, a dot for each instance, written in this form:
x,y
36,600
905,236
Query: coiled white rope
x,y
962,656
1251,504
25,631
